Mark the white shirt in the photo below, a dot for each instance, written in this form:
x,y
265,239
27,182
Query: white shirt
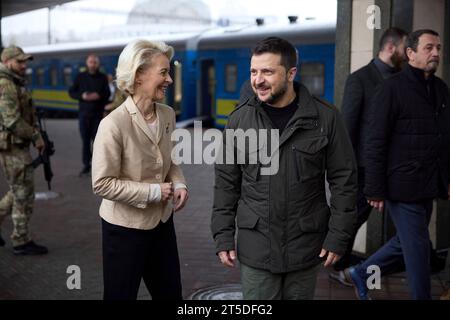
x,y
155,188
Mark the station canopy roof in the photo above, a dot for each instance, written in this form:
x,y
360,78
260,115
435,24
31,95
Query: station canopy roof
x,y
11,7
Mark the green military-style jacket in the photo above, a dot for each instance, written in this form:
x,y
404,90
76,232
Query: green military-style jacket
x,y
18,122
283,220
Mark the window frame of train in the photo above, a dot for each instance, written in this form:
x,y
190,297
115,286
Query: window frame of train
x,y
177,78
67,76
29,76
54,72
40,76
174,94
318,74
231,77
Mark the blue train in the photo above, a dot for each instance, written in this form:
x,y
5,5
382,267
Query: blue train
x,y
208,69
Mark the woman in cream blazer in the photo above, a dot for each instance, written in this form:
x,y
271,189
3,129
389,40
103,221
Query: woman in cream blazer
x,y
141,187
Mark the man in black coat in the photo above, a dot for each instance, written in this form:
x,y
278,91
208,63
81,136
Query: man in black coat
x,y
359,90
91,89
407,156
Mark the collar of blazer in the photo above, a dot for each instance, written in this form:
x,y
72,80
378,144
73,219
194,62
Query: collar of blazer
x,y
138,119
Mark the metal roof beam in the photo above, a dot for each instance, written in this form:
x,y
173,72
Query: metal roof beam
x,y
11,7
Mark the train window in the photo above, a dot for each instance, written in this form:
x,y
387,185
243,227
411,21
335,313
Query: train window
x,y
29,76
54,76
40,76
178,86
312,76
230,78
67,76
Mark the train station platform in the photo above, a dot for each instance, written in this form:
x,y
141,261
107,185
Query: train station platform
x,y
70,226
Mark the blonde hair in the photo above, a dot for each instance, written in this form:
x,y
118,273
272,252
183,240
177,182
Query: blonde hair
x,y
136,57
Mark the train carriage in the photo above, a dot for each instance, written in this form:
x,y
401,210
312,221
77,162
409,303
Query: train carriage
x,y
208,69
55,67
224,62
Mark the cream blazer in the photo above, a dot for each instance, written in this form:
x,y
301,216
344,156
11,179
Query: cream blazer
x,y
126,159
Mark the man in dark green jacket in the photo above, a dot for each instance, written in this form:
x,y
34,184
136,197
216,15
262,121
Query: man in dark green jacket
x,y
285,226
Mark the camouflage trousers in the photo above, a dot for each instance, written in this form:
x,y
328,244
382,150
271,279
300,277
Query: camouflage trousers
x,y
18,201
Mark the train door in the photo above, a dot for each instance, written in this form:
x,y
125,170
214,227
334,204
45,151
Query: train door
x,y
208,88
176,89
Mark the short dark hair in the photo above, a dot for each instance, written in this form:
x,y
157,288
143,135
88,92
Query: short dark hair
x,y
278,46
394,35
413,39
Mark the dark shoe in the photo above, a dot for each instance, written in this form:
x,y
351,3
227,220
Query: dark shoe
x,y
2,242
359,283
339,276
30,248
85,171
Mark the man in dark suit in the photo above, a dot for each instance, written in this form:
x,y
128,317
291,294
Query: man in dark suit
x,y
359,90
407,156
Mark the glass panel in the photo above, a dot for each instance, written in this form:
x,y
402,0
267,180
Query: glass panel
x,y
68,76
40,78
212,88
178,86
29,76
230,78
54,76
312,75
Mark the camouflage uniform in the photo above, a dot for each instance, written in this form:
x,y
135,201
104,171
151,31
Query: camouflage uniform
x,y
18,128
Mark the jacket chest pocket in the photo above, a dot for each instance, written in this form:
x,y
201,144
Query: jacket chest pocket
x,y
249,158
309,156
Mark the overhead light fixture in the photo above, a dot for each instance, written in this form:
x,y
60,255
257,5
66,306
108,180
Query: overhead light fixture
x,y
259,21
292,19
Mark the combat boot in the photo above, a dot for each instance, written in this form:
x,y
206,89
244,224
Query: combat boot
x,y
30,248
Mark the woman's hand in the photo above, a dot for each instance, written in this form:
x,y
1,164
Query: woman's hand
x,y
166,191
180,198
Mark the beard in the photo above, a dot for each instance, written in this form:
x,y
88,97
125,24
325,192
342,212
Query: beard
x,y
19,71
277,95
398,60
432,66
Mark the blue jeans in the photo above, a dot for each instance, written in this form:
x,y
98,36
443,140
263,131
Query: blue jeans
x,y
411,244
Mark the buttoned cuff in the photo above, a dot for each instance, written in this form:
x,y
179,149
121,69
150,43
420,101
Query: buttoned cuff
x,y
179,185
155,193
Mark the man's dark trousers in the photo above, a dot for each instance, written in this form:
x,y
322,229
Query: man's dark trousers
x,y
362,214
88,129
411,243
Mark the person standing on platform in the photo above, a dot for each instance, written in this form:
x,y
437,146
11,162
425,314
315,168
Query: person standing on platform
x,y
18,129
407,154
284,226
91,89
141,187
359,91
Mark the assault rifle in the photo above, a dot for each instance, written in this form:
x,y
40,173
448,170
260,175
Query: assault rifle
x,y
44,157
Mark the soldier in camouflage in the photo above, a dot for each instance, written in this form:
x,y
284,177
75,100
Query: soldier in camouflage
x,y
18,129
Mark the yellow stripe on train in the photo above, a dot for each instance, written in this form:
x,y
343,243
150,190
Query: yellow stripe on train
x,y
225,106
52,95
55,105
222,122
